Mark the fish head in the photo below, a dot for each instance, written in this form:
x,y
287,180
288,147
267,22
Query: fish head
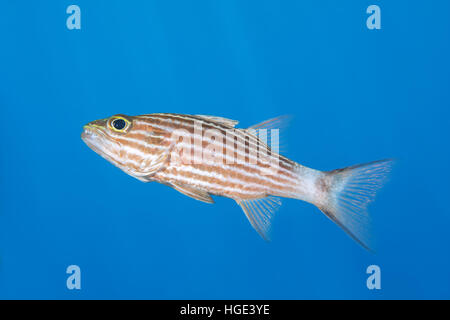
x,y
127,143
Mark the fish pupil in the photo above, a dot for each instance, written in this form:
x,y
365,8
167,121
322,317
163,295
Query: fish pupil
x,y
119,124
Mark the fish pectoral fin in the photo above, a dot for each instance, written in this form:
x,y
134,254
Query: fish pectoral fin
x,y
260,213
224,121
154,164
197,194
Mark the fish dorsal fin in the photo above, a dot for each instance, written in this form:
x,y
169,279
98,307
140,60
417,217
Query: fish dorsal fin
x,y
197,194
224,121
279,123
274,123
260,213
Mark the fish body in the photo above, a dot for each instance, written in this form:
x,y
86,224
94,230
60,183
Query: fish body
x,y
202,156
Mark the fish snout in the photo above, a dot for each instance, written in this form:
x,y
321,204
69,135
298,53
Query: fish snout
x,y
91,133
94,128
88,131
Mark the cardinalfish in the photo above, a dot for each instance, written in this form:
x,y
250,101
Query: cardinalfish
x,y
201,156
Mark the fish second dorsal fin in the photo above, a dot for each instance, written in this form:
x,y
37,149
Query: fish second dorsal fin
x,y
260,213
224,121
274,123
280,123
193,192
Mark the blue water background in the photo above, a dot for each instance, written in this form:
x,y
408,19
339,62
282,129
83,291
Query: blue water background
x,y
356,95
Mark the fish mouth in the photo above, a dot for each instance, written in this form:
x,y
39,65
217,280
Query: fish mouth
x,y
94,138
97,140
92,135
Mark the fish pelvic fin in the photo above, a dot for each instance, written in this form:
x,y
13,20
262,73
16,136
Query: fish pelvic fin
x,y
260,213
349,192
192,192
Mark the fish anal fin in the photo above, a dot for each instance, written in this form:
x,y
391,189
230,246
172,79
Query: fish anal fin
x,y
192,192
224,121
260,213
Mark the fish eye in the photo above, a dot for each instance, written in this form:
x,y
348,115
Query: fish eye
x,y
119,124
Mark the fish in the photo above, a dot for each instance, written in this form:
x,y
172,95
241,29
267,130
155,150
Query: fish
x,y
201,155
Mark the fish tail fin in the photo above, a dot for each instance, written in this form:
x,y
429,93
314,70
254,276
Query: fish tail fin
x,y
348,192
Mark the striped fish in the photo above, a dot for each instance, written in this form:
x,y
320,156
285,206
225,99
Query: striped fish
x,y
201,156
